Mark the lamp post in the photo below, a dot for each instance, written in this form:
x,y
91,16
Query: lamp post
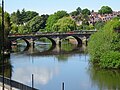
x,y
3,43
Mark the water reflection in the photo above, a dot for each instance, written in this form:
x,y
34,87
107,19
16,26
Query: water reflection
x,y
7,67
68,63
105,79
48,49
41,74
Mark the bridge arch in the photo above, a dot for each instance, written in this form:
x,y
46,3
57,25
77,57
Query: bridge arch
x,y
51,39
79,40
26,41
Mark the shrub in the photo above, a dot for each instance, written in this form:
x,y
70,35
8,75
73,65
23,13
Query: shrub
x,y
110,60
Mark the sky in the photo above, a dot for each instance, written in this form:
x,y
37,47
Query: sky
x,y
51,6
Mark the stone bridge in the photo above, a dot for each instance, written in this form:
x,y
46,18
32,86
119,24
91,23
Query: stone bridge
x,y
55,38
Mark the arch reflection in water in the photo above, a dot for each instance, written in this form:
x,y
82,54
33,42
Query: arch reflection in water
x,y
105,79
57,50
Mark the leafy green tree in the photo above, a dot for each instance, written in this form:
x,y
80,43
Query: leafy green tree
x,y
105,10
85,19
21,17
104,41
74,13
14,29
60,14
52,19
13,18
86,11
99,25
36,24
29,15
64,24
110,60
22,30
79,10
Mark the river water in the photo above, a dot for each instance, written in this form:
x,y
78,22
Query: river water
x,y
53,66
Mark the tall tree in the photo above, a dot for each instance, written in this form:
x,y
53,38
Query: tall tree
x,y
30,15
23,15
36,23
19,17
105,10
79,10
54,18
86,11
64,24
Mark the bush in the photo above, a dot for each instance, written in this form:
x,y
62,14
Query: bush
x,y
110,60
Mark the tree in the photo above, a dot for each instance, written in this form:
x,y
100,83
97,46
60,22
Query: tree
x,y
86,11
79,10
21,17
14,29
99,25
64,24
13,18
105,42
105,10
36,23
52,19
85,19
74,13
23,13
30,15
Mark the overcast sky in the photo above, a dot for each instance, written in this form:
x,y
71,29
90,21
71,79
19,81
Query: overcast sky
x,y
51,6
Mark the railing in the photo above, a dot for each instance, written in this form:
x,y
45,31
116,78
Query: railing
x,y
15,84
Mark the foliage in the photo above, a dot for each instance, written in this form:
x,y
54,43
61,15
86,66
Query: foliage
x,y
21,17
14,29
52,19
7,23
104,41
36,23
86,11
29,15
113,24
77,12
64,24
22,30
85,27
85,19
99,25
110,60
74,13
105,10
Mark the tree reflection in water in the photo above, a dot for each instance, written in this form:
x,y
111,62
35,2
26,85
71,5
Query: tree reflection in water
x,y
7,67
105,79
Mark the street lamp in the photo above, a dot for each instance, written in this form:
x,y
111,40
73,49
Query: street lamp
x,y
3,43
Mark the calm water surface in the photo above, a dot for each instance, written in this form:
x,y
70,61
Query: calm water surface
x,y
51,68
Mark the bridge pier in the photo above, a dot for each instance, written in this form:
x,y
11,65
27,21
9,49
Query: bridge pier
x,y
58,41
32,43
85,40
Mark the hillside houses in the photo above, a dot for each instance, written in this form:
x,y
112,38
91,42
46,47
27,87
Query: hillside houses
x,y
95,17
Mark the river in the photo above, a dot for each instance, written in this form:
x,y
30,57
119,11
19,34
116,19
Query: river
x,y
67,63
